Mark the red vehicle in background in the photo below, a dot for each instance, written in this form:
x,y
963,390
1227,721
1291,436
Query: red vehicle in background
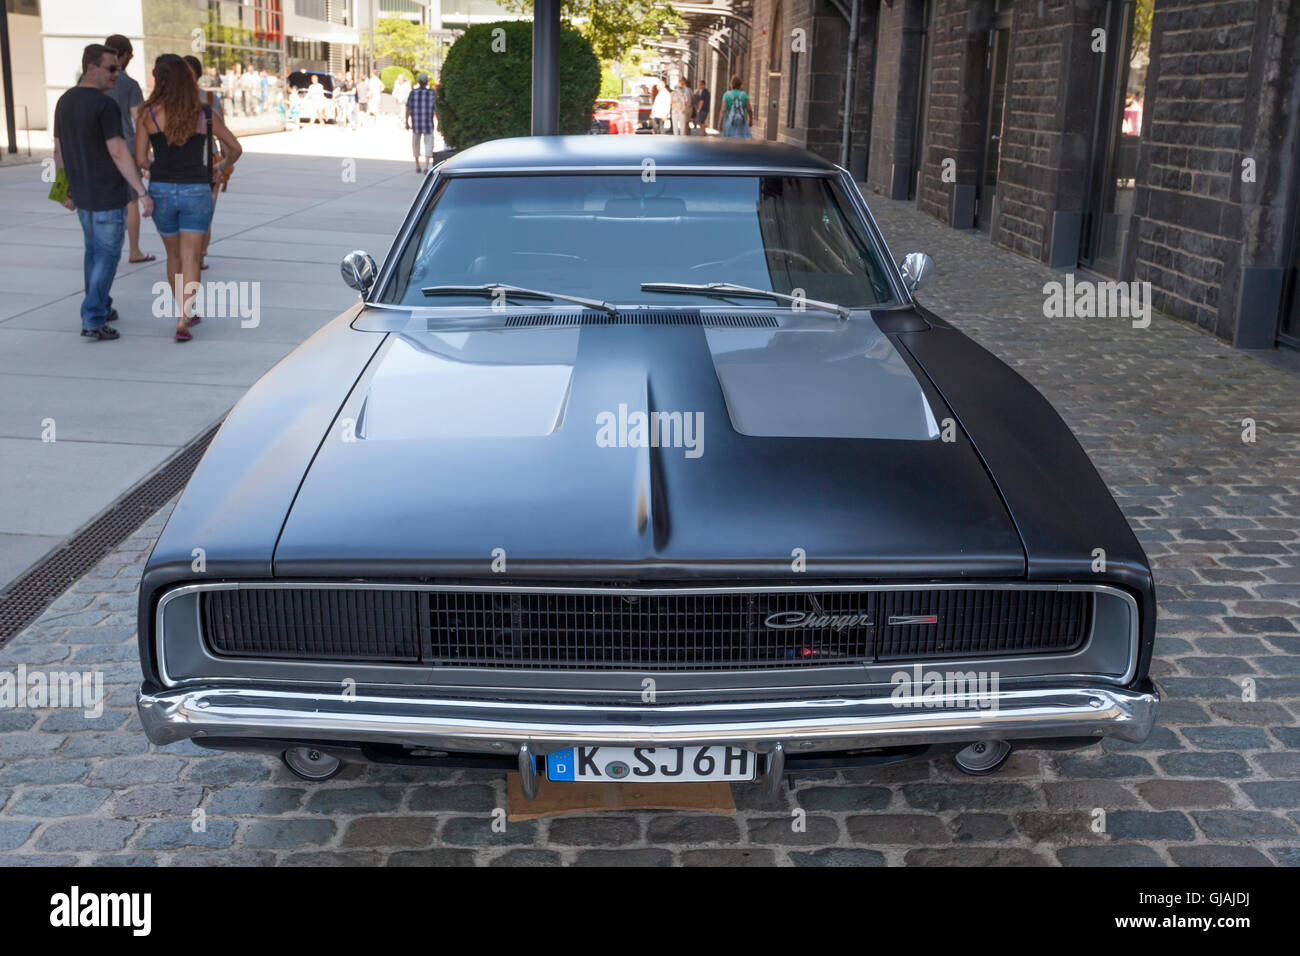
x,y
608,116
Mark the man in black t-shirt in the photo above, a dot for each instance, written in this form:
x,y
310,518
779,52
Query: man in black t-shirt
x,y
102,179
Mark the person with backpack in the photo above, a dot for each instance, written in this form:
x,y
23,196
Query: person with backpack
x,y
736,113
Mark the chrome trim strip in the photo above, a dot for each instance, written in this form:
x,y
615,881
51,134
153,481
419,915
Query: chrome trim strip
x,y
625,168
901,292
1124,679
403,236
496,727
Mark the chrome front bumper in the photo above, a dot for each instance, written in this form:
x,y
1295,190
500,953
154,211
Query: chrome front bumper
x,y
497,727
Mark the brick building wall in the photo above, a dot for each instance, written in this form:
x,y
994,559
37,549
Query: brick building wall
x,y
1047,129
1213,101
1189,201
952,132
1223,85
819,90
899,80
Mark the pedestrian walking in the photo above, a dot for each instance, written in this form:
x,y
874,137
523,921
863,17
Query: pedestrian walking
x,y
401,90
345,94
681,108
736,112
102,178
180,130
376,91
660,107
363,98
128,97
703,103
420,107
250,84
212,101
316,100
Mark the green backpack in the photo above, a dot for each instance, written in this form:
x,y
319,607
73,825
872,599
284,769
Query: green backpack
x,y
737,113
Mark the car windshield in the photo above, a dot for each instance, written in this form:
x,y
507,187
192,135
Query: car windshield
x,y
601,236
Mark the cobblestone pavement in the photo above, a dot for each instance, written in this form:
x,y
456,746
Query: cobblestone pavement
x,y
1218,782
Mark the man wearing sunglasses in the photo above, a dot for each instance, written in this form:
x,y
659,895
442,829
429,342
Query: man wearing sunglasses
x,y
102,179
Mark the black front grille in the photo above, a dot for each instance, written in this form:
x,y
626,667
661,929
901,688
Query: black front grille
x,y
612,629
719,631
971,622
314,623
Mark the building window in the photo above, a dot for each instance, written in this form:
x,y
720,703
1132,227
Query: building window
x,y
316,9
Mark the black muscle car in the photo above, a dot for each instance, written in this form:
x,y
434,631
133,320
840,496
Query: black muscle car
x,y
637,460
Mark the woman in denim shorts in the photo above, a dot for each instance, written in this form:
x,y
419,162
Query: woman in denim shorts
x,y
180,130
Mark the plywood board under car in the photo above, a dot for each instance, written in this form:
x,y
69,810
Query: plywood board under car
x,y
556,799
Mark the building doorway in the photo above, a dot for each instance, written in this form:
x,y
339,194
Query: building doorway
x,y
996,62
920,114
1111,186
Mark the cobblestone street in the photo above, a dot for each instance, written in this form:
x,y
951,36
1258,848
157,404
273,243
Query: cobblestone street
x,y
1160,410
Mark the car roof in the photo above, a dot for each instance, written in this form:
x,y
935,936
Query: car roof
x,y
713,153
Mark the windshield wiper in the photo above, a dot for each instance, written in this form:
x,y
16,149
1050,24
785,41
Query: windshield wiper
x,y
730,288
498,288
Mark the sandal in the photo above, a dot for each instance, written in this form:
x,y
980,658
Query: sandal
x,y
148,257
182,335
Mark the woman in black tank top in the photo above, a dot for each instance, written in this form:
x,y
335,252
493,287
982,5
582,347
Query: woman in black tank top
x,y
180,131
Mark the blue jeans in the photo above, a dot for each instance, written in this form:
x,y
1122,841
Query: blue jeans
x,y
181,207
103,232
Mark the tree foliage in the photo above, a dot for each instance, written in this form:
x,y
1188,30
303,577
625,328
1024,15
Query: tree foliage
x,y
613,28
389,74
1142,15
487,80
405,43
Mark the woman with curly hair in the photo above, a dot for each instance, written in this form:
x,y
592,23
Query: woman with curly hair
x,y
180,130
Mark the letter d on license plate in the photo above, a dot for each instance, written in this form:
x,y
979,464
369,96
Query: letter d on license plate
x,y
651,764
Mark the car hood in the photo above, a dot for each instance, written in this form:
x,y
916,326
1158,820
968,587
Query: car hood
x,y
667,444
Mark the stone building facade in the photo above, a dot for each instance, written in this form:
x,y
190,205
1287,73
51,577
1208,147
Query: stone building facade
x,y
1132,140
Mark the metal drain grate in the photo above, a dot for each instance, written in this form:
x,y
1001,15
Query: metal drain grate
x,y
24,599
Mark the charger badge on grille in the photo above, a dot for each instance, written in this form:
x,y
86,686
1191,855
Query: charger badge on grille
x,y
816,618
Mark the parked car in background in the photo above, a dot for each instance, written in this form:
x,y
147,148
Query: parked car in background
x,y
612,477
608,116
298,85
636,106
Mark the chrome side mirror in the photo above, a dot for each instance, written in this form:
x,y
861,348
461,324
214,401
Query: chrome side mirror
x,y
358,270
918,270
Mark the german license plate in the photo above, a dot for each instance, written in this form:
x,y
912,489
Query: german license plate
x,y
651,764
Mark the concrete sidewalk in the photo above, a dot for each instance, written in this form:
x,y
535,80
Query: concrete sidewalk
x,y
120,409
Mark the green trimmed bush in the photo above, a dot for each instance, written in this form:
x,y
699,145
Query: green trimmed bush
x,y
487,94
388,75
